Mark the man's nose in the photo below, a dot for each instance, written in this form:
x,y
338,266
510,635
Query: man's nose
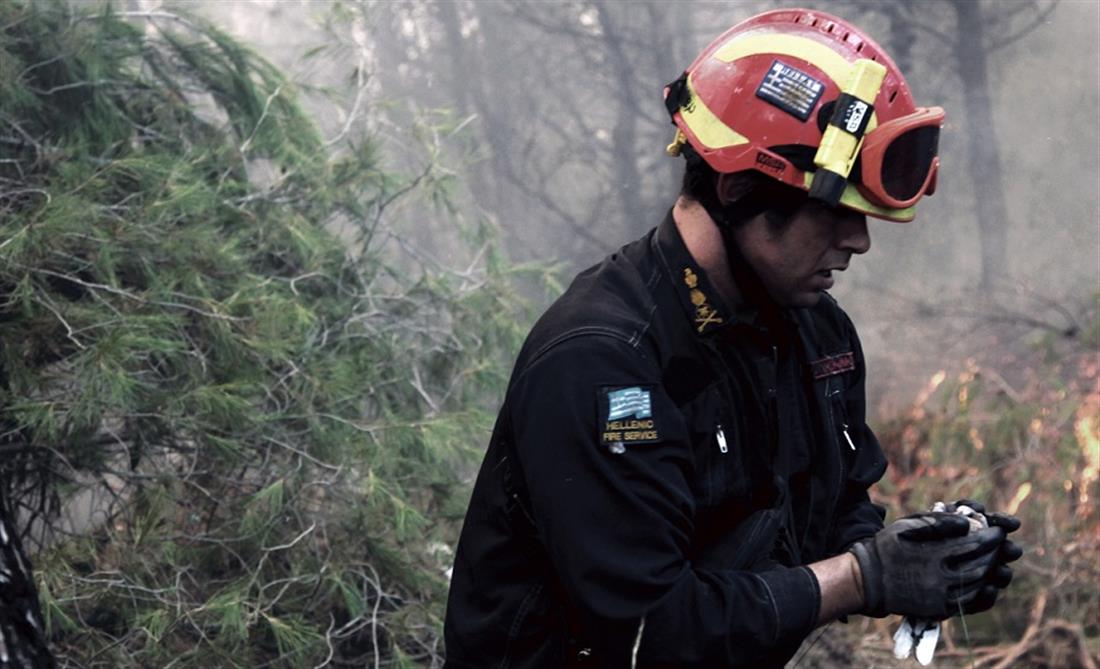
x,y
852,234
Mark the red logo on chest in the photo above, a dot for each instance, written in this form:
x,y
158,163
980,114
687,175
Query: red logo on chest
x,y
834,364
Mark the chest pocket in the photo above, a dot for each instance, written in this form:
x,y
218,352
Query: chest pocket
x,y
838,426
721,475
830,357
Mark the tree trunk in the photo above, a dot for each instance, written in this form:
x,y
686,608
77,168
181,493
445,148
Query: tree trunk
x,y
902,33
983,150
624,136
22,634
465,85
670,25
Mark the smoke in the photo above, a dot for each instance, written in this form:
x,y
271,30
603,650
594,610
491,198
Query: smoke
x,y
563,147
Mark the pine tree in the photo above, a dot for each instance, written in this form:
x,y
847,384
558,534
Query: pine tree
x,y
279,416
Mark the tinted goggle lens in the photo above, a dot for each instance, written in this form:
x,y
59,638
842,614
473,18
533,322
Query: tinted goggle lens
x,y
907,160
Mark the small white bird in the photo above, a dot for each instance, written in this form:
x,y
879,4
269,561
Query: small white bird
x,y
925,634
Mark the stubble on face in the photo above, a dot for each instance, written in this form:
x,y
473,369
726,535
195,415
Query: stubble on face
x,y
796,261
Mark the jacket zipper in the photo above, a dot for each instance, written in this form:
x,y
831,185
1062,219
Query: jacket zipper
x,y
773,406
842,414
637,644
722,446
829,406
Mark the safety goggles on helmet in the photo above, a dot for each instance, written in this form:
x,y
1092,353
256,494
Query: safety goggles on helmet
x,y
810,100
899,159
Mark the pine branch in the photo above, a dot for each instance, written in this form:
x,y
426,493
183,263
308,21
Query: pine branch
x,y
128,295
184,343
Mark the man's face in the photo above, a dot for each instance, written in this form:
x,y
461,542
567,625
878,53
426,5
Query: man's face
x,y
797,263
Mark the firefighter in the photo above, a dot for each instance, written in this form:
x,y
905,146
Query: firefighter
x,y
679,474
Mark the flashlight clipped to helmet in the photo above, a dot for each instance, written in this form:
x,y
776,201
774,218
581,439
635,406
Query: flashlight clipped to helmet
x,y
843,136
808,99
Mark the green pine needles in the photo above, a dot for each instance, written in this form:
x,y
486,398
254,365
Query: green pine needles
x,y
260,426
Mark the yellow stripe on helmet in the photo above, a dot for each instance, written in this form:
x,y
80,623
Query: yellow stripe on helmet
x,y
715,134
707,127
853,199
834,65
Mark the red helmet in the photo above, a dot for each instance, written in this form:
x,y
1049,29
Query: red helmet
x,y
761,96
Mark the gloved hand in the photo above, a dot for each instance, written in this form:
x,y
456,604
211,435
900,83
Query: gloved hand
x,y
1000,575
926,565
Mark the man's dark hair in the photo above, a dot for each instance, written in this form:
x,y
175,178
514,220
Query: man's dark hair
x,y
700,181
775,199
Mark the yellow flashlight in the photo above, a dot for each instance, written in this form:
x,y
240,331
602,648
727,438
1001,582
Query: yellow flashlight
x,y
843,136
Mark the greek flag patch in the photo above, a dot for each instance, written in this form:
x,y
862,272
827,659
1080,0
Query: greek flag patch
x,y
628,402
790,89
628,417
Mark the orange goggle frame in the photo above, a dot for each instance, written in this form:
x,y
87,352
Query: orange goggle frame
x,y
897,164
899,159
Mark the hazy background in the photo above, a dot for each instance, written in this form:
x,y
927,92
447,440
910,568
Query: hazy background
x,y
279,475
539,129
562,133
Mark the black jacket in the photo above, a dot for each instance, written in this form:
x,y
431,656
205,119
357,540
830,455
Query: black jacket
x,y
658,473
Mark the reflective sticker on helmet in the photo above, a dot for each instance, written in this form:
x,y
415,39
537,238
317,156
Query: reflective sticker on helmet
x,y
707,127
823,57
790,89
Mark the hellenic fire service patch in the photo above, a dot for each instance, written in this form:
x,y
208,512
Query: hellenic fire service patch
x,y
626,415
790,89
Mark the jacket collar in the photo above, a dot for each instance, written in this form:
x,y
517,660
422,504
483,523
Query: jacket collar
x,y
697,295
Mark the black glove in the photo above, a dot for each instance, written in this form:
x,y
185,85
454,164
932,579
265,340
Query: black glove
x,y
1000,575
927,565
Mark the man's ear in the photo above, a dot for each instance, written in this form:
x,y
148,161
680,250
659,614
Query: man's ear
x,y
733,187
